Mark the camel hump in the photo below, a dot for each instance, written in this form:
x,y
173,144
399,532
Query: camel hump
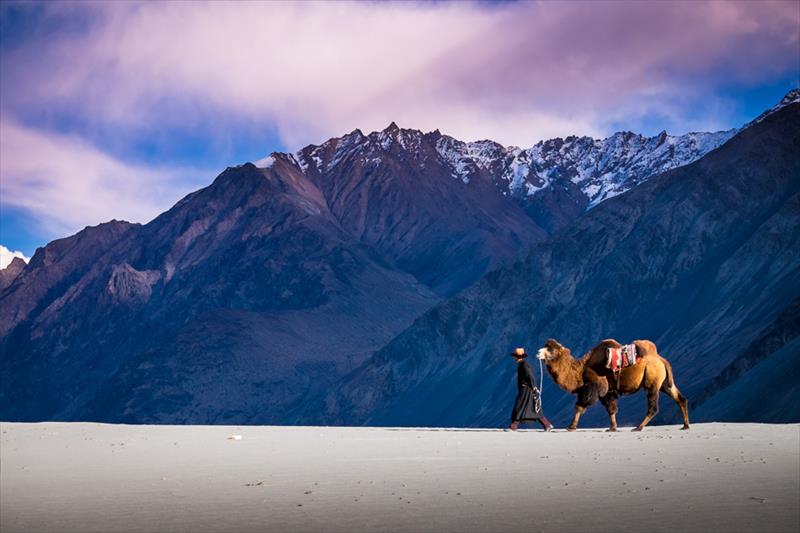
x,y
646,348
599,353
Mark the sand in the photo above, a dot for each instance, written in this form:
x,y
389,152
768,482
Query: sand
x,y
96,477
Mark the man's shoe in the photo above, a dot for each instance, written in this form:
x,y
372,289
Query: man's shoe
x,y
513,426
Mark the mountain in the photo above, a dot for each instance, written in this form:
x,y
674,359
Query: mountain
x,y
248,287
250,299
9,273
393,191
552,182
701,259
555,181
54,269
791,97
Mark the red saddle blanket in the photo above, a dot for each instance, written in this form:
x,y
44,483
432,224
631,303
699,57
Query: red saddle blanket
x,y
622,357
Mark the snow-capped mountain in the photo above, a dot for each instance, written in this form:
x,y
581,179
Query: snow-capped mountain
x,y
578,173
600,168
556,180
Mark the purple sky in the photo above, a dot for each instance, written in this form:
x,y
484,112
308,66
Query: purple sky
x,y
115,110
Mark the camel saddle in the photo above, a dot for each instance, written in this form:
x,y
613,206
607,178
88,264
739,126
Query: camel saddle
x,y
622,357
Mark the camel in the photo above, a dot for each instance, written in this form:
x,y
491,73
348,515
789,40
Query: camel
x,y
590,380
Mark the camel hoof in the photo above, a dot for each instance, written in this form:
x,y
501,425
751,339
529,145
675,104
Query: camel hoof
x,y
571,429
685,426
611,430
637,428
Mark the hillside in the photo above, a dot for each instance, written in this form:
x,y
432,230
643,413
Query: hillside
x,y
700,259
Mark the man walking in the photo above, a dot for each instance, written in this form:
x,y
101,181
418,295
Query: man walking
x,y
528,405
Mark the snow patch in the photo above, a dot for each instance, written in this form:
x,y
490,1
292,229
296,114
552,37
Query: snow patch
x,y
345,146
265,162
517,173
453,153
301,162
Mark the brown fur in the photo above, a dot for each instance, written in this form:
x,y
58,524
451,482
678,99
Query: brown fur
x,y
589,378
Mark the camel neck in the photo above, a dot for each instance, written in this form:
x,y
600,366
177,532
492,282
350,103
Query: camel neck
x,y
566,372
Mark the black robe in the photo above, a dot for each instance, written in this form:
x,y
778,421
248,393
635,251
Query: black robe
x,y
527,405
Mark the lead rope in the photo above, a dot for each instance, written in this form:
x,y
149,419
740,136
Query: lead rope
x,y
541,385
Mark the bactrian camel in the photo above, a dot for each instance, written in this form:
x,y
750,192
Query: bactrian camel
x,y
590,380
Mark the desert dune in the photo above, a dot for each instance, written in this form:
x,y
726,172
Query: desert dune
x,y
96,477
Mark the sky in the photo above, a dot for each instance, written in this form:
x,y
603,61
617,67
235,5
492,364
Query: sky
x,y
115,110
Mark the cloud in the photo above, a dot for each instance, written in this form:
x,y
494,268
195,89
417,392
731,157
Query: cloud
x,y
66,183
6,256
515,72
85,85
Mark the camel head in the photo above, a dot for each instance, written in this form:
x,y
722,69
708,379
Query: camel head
x,y
552,351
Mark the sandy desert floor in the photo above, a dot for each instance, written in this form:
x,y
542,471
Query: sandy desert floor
x,y
95,477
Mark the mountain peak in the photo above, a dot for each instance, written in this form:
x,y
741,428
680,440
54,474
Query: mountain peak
x,y
792,97
588,170
10,273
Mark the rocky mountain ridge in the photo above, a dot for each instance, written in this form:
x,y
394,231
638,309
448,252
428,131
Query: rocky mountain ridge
x,y
578,173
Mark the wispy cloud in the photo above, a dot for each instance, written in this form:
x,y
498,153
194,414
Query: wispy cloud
x,y
66,183
513,72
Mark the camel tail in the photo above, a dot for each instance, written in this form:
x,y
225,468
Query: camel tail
x,y
669,387
670,381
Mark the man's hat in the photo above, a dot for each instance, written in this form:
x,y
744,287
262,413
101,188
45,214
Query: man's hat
x,y
519,352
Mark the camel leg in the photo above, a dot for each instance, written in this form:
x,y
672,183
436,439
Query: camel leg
x,y
681,400
652,408
578,412
610,403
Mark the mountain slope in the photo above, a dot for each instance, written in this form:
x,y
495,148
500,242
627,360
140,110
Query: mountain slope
x,y
699,259
54,268
744,399
9,274
242,258
394,192
758,384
